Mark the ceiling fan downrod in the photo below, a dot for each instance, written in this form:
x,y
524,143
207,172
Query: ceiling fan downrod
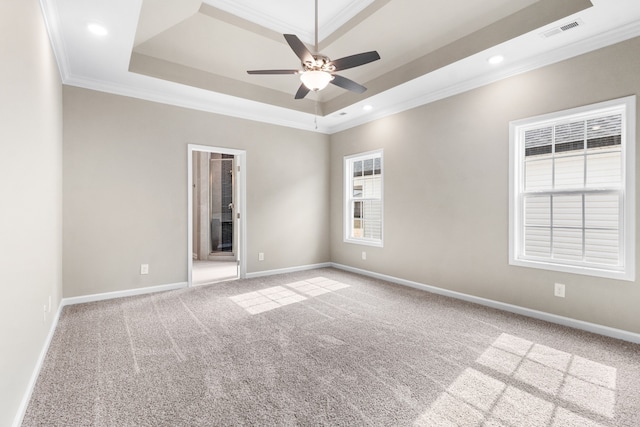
x,y
316,45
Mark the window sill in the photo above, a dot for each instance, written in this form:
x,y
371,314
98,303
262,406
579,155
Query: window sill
x,y
628,275
364,242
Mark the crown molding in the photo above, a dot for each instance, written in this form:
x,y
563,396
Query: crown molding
x,y
341,18
409,95
268,21
578,48
210,102
51,19
325,29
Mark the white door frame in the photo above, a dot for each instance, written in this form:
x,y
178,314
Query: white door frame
x,y
241,200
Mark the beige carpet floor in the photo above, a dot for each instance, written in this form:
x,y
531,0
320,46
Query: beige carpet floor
x,y
326,347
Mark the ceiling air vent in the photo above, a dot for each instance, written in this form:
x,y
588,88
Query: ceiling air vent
x,y
562,28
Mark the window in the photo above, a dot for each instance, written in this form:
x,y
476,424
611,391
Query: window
x,y
572,190
363,204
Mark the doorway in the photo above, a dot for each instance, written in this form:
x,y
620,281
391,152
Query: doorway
x,y
216,180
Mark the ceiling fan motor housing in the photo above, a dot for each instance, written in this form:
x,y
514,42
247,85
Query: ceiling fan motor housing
x,y
318,70
320,63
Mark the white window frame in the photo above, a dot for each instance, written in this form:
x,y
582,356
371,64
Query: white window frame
x,y
626,271
348,193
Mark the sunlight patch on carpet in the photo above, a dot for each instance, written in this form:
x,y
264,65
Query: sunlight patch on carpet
x,y
317,286
266,299
278,296
476,398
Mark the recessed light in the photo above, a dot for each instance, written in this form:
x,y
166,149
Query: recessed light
x,y
496,59
97,29
367,108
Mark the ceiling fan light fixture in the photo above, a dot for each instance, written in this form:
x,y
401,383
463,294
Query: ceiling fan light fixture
x,y
315,80
317,69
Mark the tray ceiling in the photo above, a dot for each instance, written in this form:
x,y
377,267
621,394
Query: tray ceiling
x,y
196,54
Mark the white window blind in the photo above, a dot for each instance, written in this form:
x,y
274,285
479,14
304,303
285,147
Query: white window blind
x,y
363,202
572,190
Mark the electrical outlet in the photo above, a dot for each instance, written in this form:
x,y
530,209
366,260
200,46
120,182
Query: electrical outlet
x,y
559,290
364,255
261,256
144,268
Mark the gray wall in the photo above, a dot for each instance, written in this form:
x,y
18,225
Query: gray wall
x,y
125,195
30,196
446,190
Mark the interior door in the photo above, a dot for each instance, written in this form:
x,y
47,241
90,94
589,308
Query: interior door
x,y
222,209
216,236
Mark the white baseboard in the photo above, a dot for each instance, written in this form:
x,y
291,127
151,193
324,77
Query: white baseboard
x,y
120,294
22,409
561,320
79,300
288,270
553,318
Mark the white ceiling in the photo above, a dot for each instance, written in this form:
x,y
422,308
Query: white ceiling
x,y
241,47
295,16
194,54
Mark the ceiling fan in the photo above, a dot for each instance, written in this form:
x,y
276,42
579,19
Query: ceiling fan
x,y
318,70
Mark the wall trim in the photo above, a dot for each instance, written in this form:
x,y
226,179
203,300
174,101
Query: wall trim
x,y
541,315
421,97
22,409
227,105
121,294
528,312
288,270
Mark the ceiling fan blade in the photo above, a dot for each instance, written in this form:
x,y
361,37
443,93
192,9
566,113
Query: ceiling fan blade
x,y
345,83
299,48
355,60
272,72
302,92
